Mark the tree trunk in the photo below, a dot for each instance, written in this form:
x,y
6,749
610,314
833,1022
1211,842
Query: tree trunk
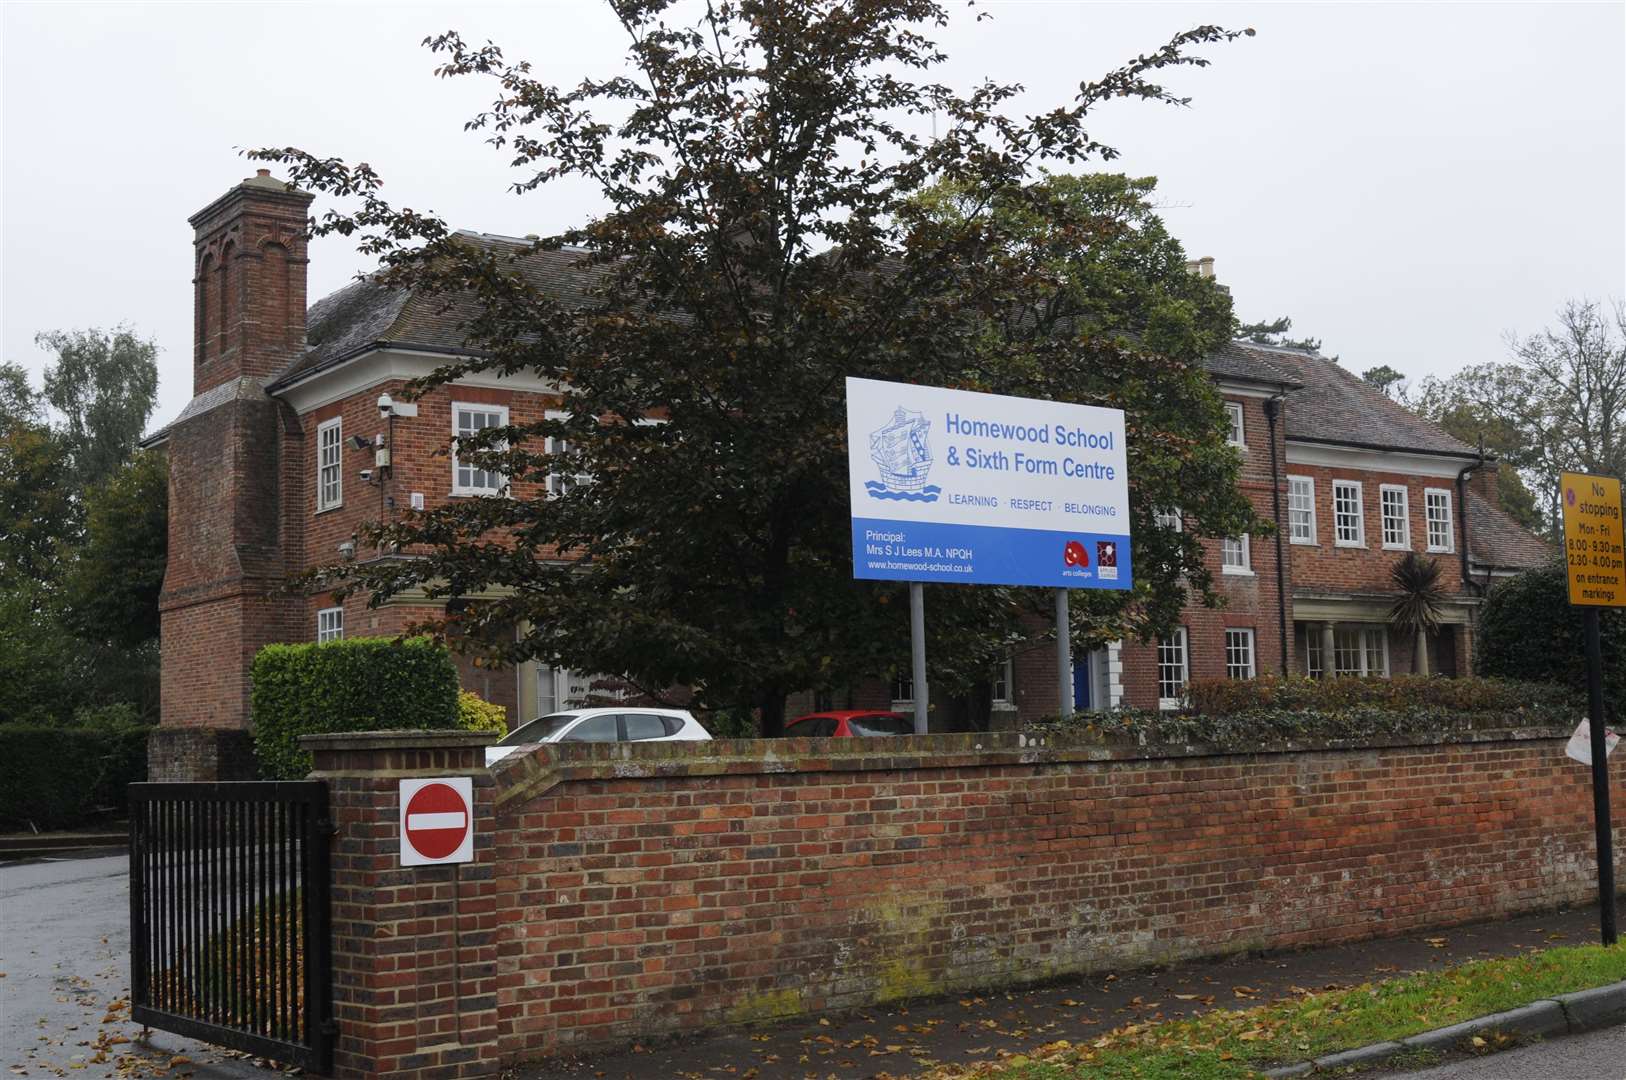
x,y
1420,664
772,710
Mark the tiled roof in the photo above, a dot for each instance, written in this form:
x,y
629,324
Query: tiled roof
x,y
1338,406
1496,540
366,313
1327,404
1236,360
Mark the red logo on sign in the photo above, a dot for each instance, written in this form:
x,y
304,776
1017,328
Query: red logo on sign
x,y
437,821
1074,554
1106,553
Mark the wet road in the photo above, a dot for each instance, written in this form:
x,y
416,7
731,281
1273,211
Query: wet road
x,y
65,977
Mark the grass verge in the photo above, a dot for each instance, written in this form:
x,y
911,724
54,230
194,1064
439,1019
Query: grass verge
x,y
1223,1045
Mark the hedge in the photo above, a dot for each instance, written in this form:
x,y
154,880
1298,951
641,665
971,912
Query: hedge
x,y
1527,630
355,684
58,777
1224,697
1274,709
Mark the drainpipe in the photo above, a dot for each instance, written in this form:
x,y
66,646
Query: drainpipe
x,y
1273,408
1462,518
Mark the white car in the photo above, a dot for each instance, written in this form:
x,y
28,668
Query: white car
x,y
621,723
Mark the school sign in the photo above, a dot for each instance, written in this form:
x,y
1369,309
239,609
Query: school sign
x,y
983,489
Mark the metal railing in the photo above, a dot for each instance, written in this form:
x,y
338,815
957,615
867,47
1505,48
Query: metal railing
x,y
230,937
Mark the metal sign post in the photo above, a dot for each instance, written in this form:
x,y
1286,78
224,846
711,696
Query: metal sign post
x,y
1064,655
1596,569
917,649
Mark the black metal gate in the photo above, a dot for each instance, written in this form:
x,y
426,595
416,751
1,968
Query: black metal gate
x,y
229,923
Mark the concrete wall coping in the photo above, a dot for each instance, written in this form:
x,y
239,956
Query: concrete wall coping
x,y
398,740
531,770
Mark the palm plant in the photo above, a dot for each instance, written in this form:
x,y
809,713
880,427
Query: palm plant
x,y
1421,602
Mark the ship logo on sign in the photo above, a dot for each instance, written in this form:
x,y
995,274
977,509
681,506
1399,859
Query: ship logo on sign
x,y
904,457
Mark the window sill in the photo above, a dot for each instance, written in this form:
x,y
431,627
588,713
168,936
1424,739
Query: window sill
x,y
1398,547
329,509
1168,704
479,495
1305,543
1235,571
1002,706
1349,543
1442,551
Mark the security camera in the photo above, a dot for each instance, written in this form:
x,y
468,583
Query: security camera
x,y
366,476
386,406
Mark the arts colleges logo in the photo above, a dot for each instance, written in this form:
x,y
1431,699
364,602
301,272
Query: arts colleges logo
x,y
904,458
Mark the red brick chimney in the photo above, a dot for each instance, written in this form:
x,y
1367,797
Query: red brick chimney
x,y
233,478
248,286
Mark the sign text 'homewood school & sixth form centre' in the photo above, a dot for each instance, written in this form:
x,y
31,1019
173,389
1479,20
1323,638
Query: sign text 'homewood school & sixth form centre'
x,y
956,486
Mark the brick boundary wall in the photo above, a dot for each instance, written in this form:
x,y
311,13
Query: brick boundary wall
x,y
625,891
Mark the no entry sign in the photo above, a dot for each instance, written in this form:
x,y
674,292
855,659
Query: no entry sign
x,y
437,821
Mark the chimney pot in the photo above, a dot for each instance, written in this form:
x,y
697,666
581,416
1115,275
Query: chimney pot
x,y
262,172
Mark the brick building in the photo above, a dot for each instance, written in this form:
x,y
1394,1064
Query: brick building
x,y
284,452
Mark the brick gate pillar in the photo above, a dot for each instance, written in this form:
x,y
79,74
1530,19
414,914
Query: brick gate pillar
x,y
414,948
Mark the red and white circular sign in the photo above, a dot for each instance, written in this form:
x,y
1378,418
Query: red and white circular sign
x,y
437,821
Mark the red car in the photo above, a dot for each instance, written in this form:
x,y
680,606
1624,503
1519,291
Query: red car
x,y
850,723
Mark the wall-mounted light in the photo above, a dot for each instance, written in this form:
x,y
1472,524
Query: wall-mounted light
x,y
358,442
347,550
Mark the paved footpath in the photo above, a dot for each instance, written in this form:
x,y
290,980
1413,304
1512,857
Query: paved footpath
x,y
979,1027
1599,1055
65,978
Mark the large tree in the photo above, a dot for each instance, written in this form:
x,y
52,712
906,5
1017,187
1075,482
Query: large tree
x,y
767,230
1558,405
102,386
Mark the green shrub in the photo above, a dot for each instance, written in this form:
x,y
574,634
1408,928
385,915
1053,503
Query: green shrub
x,y
118,716
1527,630
475,713
1225,697
356,684
1252,726
56,777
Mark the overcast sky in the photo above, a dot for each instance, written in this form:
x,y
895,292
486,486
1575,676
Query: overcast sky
x,y
1407,181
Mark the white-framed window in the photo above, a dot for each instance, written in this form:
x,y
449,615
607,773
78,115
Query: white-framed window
x,y
329,464
561,482
1348,519
1301,509
1173,670
1396,507
469,420
1233,417
1236,556
1170,519
1239,654
1441,532
903,688
329,624
1004,683
1360,650
1310,649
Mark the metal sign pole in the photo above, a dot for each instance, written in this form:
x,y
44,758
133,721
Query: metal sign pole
x,y
1064,656
917,648
1600,778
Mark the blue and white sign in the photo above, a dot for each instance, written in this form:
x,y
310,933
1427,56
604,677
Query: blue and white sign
x,y
983,489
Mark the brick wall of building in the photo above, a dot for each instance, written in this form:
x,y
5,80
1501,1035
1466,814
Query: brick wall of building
x,y
1327,567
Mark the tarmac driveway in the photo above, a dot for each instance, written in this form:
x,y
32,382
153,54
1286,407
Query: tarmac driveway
x,y
65,978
